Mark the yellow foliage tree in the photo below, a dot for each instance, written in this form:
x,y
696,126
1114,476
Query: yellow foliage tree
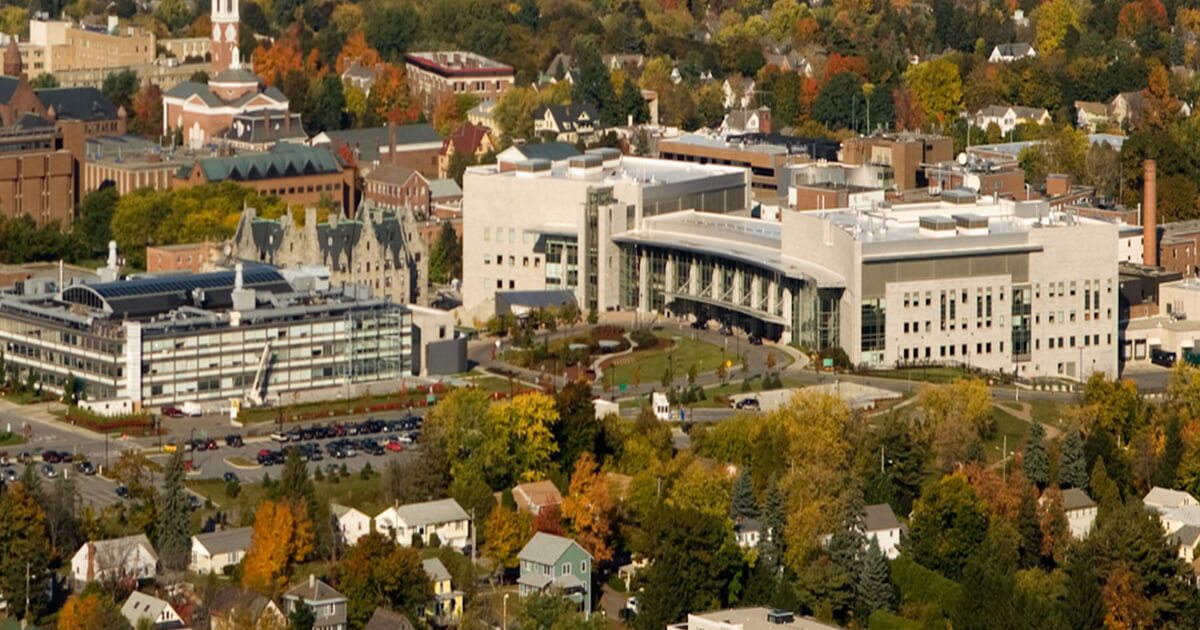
x,y
91,611
953,417
702,488
282,536
588,506
506,533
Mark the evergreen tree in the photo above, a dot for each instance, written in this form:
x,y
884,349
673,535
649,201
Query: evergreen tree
x,y
988,582
743,504
1086,608
26,552
33,483
302,617
771,546
1167,467
847,542
1030,530
1104,490
174,536
1073,466
875,588
1037,463
295,485
633,105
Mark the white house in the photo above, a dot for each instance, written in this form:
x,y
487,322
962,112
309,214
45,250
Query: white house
x,y
1080,510
352,524
1008,53
748,532
1007,117
214,551
739,94
1164,498
880,523
131,557
444,518
742,121
1185,540
142,606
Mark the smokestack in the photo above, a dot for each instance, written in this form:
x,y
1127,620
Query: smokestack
x,y
1150,215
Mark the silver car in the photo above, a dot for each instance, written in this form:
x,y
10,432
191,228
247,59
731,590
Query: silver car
x,y
48,471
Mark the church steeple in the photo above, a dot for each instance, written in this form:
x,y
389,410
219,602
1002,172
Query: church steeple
x,y
225,21
12,58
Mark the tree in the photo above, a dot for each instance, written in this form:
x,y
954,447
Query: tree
x,y
447,115
147,111
174,541
874,588
26,556
1166,468
506,533
1035,460
937,86
514,115
296,486
848,540
1104,490
948,523
772,546
694,565
356,49
120,87
63,525
633,106
743,504
282,536
588,507
1056,534
1053,20
1029,528
327,109
302,617
987,596
552,610
445,258
90,610
549,520
897,478
954,417
392,28
1072,470
577,430
377,572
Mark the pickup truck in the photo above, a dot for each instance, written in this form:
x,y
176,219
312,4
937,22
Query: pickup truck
x,y
279,436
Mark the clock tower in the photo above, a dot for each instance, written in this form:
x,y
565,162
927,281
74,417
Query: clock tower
x,y
225,36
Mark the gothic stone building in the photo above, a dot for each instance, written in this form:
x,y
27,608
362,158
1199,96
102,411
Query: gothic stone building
x,y
378,248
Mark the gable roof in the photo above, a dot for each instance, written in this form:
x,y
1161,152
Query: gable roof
x,y
390,174
535,494
1092,108
553,151
341,511
546,548
221,542
436,570
369,142
442,188
467,139
233,597
430,512
105,547
1014,49
78,103
567,117
283,160
1076,499
384,619
141,605
1164,498
314,590
879,517
1186,536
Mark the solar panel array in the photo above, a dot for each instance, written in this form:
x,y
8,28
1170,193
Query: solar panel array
x,y
184,283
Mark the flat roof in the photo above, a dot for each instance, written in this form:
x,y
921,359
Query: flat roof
x,y
646,171
457,62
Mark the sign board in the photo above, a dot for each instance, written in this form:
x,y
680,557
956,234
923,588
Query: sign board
x,y
828,363
622,388
682,416
431,398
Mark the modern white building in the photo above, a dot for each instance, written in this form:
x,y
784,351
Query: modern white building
x,y
131,557
535,224
443,518
351,524
215,551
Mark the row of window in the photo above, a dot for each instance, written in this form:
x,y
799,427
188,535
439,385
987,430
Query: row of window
x,y
512,235
292,190
512,260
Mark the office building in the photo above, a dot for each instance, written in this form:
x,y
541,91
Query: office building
x,y
905,153
256,335
57,46
766,156
536,224
296,173
39,166
434,75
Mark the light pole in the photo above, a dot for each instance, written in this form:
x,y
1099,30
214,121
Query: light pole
x,y
504,613
192,442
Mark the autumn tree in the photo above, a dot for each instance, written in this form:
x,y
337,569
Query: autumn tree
x,y
91,609
506,532
282,536
282,56
147,111
378,572
937,86
549,520
357,49
1125,603
1053,20
909,115
588,508
953,418
26,556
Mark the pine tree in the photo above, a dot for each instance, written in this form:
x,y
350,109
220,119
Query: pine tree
x,y
772,546
1167,467
1073,468
847,542
743,504
33,483
875,588
295,485
1104,490
1030,530
174,535
1037,463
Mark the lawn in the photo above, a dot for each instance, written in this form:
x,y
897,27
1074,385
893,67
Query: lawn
x,y
492,384
353,491
932,374
1006,425
653,363
11,439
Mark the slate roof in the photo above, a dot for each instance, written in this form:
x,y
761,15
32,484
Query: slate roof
x,y
78,103
431,512
1076,499
442,188
235,75
1015,49
187,89
568,117
266,126
222,542
879,517
1186,536
369,141
8,87
553,151
336,239
384,619
314,590
546,548
283,160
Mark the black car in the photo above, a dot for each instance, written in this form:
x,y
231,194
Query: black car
x,y
234,440
754,340
51,457
85,468
230,476
1162,357
122,491
748,404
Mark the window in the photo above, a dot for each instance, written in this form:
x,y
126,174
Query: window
x,y
566,568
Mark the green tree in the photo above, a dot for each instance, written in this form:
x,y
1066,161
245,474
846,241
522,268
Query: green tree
x,y
552,610
1166,469
988,579
327,109
577,430
175,14
594,85
695,563
938,88
120,87
1036,462
174,541
1072,469
948,523
896,467
632,104
514,115
1029,528
393,26
743,504
849,538
378,572
1104,490
302,617
874,588
44,81
774,518
445,257
26,547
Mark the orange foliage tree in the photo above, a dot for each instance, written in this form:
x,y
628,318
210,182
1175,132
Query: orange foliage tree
x,y
282,56
389,99
1125,603
588,506
448,115
147,110
845,63
282,536
89,611
357,49
909,116
549,521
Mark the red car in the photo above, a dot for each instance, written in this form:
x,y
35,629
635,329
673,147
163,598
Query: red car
x,y
172,412
395,447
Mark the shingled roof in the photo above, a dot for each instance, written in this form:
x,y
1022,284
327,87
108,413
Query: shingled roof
x,y
283,160
78,103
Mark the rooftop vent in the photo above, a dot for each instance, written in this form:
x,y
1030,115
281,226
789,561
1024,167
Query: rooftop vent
x,y
585,165
938,226
533,168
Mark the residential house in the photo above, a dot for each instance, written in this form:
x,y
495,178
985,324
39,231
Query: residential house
x,y
1080,510
1091,115
470,140
748,532
536,496
483,114
217,551
565,123
446,607
443,520
360,76
351,524
741,121
552,562
328,605
880,523
1007,117
1185,540
117,559
790,62
1008,53
738,92
1175,509
1127,109
235,609
260,131
160,612
443,192
385,619
630,63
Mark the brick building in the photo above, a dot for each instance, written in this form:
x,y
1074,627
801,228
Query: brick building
x,y
906,153
191,257
433,75
391,187
88,104
474,141
56,46
295,173
131,162
39,163
412,146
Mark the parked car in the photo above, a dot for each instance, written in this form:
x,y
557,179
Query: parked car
x,y
11,475
748,404
264,457
395,447
122,491
85,468
210,445
24,457
50,457
279,436
48,471
172,412
726,330
229,476
234,439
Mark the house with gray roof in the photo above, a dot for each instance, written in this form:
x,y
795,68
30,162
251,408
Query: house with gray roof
x,y
554,563
214,552
385,619
1080,510
444,520
880,523
415,146
566,123
130,557
262,130
1012,51
522,152
445,609
233,606
328,605
160,612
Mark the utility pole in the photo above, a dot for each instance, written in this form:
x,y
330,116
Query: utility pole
x,y
25,621
881,459
474,526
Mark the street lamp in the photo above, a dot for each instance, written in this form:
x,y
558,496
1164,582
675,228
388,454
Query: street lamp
x,y
504,613
192,443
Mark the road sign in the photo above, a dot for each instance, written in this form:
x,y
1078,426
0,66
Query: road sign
x,y
827,363
622,388
431,398
682,416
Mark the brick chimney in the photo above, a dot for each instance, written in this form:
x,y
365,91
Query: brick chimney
x,y
1057,184
1150,215
764,119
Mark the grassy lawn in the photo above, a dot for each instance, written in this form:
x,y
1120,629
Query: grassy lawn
x,y
491,384
933,374
1006,425
686,353
353,491
11,439
327,409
